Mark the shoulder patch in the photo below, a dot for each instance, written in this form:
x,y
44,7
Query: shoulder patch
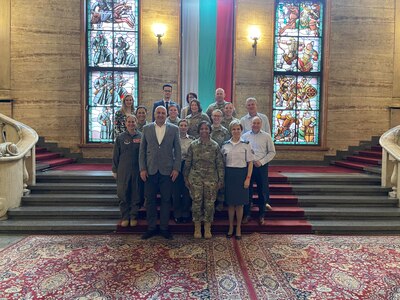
x,y
226,142
244,142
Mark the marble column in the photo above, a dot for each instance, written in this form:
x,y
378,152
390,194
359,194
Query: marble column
x,y
5,49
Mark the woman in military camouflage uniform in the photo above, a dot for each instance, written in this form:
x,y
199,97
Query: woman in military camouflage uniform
x,y
204,175
228,111
141,115
196,117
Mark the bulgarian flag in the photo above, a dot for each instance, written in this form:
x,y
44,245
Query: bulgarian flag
x,y
207,48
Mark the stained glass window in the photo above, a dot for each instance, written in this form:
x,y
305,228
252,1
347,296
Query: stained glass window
x,y
112,63
297,72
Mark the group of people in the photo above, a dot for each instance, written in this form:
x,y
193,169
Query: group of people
x,y
199,160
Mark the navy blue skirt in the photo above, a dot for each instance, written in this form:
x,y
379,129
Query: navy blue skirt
x,y
235,193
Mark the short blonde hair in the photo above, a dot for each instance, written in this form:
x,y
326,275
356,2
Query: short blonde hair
x,y
235,123
131,116
251,99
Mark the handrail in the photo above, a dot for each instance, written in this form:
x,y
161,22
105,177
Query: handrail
x,y
27,137
390,142
17,162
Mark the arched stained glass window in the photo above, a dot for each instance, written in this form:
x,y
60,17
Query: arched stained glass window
x,y
111,63
297,72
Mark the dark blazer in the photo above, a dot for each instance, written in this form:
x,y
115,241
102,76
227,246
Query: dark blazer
x,y
161,102
163,157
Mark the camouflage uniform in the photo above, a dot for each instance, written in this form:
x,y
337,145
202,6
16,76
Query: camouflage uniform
x,y
220,134
215,105
139,127
175,122
204,169
193,122
226,123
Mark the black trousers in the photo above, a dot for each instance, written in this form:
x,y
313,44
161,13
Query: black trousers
x,y
151,186
260,177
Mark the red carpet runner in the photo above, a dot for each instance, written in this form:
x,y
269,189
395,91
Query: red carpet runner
x,y
285,217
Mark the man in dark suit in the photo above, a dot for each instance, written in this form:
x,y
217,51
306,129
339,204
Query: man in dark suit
x,y
166,101
159,163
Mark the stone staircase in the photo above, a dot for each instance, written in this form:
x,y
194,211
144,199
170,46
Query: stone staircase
x,y
49,155
85,202
367,156
346,203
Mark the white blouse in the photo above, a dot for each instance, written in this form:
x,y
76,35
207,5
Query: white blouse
x,y
237,155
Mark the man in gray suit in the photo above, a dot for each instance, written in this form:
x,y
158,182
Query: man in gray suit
x,y
159,163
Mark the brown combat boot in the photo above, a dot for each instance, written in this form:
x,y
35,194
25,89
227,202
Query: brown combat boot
x,y
207,230
197,230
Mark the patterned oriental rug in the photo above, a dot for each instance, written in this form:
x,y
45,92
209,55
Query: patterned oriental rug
x,y
257,267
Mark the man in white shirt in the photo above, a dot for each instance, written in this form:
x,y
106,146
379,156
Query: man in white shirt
x,y
159,163
246,121
264,152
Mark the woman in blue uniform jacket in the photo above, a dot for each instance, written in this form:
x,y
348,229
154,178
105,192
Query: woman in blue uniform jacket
x,y
125,169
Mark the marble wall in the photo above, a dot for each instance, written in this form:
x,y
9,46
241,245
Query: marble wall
x,y
45,73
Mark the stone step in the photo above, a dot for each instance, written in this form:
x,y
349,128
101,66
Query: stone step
x,y
40,150
41,166
370,153
111,225
55,162
355,226
277,189
75,176
339,190
367,160
47,156
342,213
314,178
58,226
333,179
70,200
376,148
374,170
112,212
112,200
110,188
351,165
345,200
74,188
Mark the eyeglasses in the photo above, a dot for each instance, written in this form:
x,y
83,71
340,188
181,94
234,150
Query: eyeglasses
x,y
168,91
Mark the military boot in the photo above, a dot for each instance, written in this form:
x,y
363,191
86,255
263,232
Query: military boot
x,y
197,230
207,230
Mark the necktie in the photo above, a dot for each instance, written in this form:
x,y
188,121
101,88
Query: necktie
x,y
166,106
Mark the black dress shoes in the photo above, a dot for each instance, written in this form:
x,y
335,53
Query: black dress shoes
x,y
166,234
148,234
186,220
229,235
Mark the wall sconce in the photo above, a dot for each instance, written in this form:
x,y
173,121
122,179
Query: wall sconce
x,y
159,31
254,34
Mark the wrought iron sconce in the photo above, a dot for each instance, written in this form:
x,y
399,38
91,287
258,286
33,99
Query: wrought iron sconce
x,y
254,34
159,32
